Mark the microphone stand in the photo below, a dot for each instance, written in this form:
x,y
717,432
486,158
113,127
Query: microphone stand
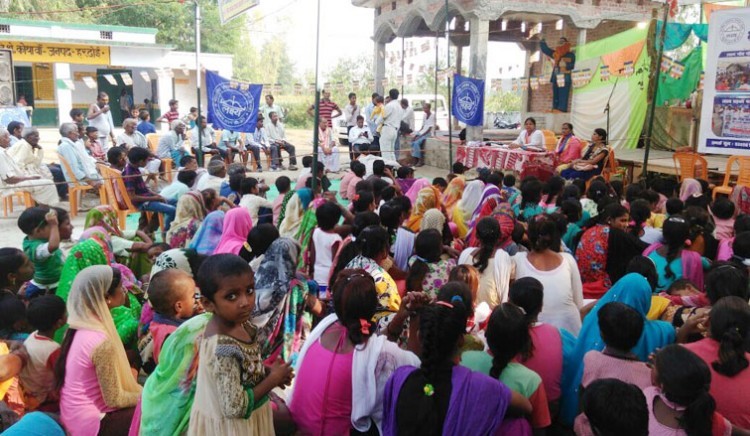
x,y
606,108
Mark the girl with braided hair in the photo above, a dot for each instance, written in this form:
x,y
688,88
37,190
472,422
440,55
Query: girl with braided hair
x,y
439,396
343,366
507,337
673,259
724,353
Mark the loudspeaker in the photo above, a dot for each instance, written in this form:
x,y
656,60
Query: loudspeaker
x,y
7,90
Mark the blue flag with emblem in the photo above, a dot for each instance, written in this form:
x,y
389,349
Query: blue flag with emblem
x,y
232,105
468,100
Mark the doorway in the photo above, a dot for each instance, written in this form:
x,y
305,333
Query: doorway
x,y
115,92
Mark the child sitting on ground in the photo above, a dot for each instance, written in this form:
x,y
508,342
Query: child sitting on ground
x,y
45,314
674,206
284,186
612,407
722,209
620,327
44,229
182,184
13,325
251,199
440,183
325,244
171,294
509,187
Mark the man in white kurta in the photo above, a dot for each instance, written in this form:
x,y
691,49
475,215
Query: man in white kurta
x,y
328,152
133,138
391,123
42,190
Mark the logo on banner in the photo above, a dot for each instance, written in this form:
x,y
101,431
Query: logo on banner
x,y
468,99
732,31
232,105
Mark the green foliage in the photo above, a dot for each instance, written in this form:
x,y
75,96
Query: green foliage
x,y
175,21
499,101
295,107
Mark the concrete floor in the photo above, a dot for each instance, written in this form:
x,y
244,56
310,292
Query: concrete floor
x,y
11,235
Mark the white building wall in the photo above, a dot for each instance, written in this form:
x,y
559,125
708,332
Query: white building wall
x,y
84,34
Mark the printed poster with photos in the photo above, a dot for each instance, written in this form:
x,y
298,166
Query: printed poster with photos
x,y
725,115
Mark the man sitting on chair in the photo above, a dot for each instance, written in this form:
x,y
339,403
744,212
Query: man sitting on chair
x,y
73,152
259,141
42,190
276,136
206,135
133,138
142,197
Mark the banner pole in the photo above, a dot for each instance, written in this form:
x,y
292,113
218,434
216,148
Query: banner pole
x,y
199,153
314,181
660,53
450,123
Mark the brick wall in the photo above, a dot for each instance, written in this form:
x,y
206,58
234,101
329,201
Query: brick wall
x,y
540,100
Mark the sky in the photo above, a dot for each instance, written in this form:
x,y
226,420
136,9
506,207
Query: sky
x,y
346,31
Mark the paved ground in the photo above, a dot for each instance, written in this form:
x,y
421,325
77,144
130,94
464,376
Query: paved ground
x,y
10,235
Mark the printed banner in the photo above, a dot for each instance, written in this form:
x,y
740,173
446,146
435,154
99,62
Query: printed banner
x,y
534,83
231,9
725,115
524,84
232,105
666,64
560,80
628,68
604,73
677,70
51,53
468,100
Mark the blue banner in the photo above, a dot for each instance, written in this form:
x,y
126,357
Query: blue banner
x,y
232,105
468,100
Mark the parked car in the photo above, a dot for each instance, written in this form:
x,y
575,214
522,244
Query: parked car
x,y
440,109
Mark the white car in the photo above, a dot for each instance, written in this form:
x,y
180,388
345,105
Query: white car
x,y
440,109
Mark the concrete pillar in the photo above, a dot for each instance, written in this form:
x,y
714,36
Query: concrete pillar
x,y
379,57
165,92
64,97
526,96
478,37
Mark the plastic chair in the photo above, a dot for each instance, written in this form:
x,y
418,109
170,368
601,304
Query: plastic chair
x,y
152,139
23,197
685,165
550,140
118,198
743,176
75,188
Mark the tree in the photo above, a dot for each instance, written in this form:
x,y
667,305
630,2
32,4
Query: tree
x,y
502,101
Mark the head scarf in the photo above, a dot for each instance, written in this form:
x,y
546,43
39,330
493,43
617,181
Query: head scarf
x,y
101,237
237,224
433,219
169,391
190,209
453,193
174,258
689,188
295,210
470,199
103,216
635,291
305,197
284,203
428,198
87,310
279,300
417,186
209,233
489,193
82,255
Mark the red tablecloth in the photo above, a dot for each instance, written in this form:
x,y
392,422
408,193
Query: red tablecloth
x,y
501,158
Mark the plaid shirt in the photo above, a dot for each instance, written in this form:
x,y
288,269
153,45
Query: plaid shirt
x,y
133,179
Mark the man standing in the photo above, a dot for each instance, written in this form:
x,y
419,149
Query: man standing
x,y
100,116
371,124
408,114
393,114
126,103
328,109
269,107
358,135
428,125
277,137
172,115
351,112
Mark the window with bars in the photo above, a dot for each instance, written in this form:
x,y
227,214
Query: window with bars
x,y
4,28
105,34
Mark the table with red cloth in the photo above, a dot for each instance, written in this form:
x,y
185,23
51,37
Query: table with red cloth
x,y
503,159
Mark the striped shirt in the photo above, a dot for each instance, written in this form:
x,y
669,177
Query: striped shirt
x,y
326,109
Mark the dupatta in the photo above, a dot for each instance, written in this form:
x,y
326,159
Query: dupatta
x,y
692,265
237,225
635,291
208,236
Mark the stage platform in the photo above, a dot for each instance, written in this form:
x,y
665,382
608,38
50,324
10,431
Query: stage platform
x,y
660,161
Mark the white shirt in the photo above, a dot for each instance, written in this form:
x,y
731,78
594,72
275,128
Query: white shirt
x,y
258,138
408,117
393,114
135,140
209,182
323,242
368,118
8,166
370,159
535,140
351,114
275,132
103,123
168,143
253,203
563,291
354,133
428,125
207,138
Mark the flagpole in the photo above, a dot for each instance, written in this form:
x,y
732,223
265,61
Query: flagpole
x,y
660,53
448,69
317,108
199,153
